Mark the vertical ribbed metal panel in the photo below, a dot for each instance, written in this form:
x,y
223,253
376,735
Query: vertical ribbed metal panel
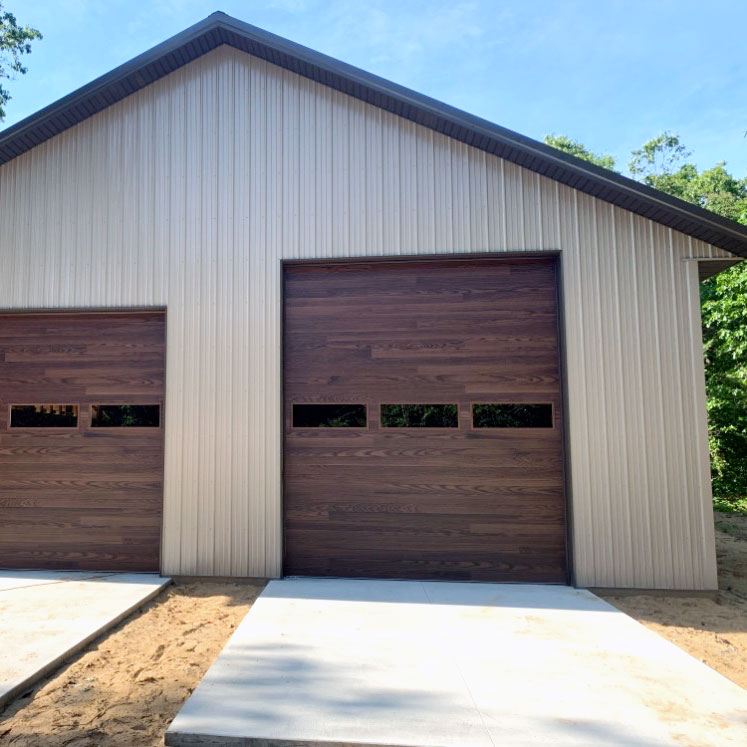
x,y
190,193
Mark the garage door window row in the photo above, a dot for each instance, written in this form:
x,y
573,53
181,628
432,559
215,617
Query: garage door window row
x,y
484,415
102,416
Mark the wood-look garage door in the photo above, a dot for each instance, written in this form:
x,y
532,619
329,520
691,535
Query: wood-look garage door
x,y
423,421
81,440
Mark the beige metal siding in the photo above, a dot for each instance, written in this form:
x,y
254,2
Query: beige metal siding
x,y
189,194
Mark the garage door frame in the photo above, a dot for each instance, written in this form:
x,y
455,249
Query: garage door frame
x,y
556,255
120,311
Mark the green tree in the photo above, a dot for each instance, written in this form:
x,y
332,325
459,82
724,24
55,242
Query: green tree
x,y
724,309
657,158
714,189
15,41
564,143
662,163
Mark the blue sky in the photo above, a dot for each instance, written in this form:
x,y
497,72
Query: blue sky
x,y
609,73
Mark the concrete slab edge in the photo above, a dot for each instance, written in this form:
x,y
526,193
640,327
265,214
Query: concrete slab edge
x,y
49,667
92,577
176,739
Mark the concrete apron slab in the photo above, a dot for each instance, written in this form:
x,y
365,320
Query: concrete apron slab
x,y
47,616
399,663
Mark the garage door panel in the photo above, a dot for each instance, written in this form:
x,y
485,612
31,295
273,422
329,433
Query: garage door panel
x,y
386,477
426,515
389,279
472,502
445,379
62,448
145,354
321,555
364,460
446,439
46,536
311,490
93,557
108,483
532,508
84,458
87,494
496,305
363,546
468,351
481,566
507,437
534,324
94,515
379,474
111,462
48,533
390,343
350,530
52,355
115,464
142,503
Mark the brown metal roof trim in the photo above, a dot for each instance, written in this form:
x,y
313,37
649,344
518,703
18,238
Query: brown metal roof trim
x,y
220,28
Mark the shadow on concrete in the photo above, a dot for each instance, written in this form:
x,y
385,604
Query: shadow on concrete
x,y
341,694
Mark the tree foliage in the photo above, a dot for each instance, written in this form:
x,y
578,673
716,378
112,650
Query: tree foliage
x,y
15,41
564,143
724,309
657,157
662,163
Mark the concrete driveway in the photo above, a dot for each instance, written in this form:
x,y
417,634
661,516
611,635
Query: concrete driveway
x,y
46,616
398,663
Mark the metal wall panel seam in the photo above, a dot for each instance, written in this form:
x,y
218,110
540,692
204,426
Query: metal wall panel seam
x,y
638,413
676,486
652,440
644,551
671,530
705,504
584,549
272,407
676,275
603,397
622,453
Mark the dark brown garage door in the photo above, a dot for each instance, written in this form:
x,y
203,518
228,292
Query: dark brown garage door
x,y
423,421
81,440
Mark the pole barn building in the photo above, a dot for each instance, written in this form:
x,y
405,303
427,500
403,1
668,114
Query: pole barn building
x,y
265,313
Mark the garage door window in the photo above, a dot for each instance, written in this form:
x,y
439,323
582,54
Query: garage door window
x,y
491,415
125,416
419,416
329,416
44,416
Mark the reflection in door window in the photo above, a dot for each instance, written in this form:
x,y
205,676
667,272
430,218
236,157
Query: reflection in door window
x,y
419,416
43,416
491,415
329,416
125,416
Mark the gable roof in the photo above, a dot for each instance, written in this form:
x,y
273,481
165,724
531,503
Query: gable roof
x,y
219,28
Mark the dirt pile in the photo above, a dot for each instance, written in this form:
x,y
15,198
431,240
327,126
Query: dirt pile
x,y
125,689
714,631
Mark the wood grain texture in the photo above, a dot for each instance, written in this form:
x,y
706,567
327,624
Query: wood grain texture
x,y
450,503
81,498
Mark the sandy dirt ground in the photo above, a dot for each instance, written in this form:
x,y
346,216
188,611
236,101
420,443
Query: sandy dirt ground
x,y
125,689
714,631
